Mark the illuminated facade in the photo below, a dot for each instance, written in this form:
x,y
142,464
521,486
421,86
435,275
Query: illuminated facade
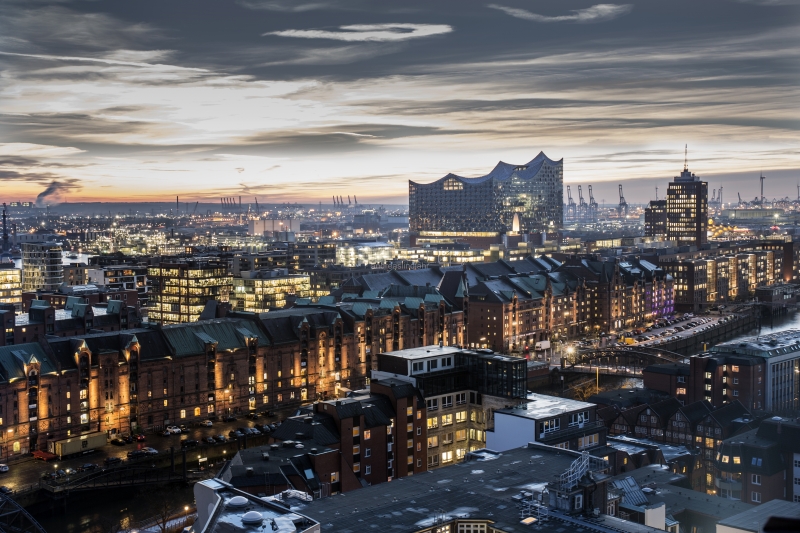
x,y
41,266
260,291
11,285
364,253
510,198
655,219
182,289
687,210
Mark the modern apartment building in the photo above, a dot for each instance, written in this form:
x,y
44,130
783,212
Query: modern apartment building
x,y
181,289
352,254
121,277
511,198
42,266
10,285
687,210
264,290
462,391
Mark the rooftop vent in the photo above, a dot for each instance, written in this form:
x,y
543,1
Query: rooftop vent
x,y
237,501
288,443
274,446
252,517
249,471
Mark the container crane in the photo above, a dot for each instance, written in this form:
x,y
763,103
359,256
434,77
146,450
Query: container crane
x,y
582,207
623,205
592,205
571,203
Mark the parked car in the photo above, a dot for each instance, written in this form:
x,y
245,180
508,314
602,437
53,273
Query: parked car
x,y
135,454
140,437
127,438
220,438
109,461
166,433
174,430
150,451
229,418
116,441
207,423
5,490
209,440
234,434
88,467
3,468
189,443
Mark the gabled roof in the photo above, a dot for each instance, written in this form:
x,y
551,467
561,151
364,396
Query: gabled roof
x,y
666,409
226,333
14,358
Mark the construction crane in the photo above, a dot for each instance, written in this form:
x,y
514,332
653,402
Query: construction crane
x,y
571,203
623,205
195,207
740,198
592,205
719,196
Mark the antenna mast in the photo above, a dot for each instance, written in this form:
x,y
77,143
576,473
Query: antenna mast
x,y
685,157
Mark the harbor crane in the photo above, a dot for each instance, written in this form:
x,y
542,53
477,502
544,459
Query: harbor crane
x,y
623,205
592,205
570,203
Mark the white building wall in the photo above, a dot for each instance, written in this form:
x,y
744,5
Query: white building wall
x,y
510,432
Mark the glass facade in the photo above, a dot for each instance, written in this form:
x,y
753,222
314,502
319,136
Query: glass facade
x,y
181,290
11,286
258,295
528,196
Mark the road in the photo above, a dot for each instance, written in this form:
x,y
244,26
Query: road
x,y
26,472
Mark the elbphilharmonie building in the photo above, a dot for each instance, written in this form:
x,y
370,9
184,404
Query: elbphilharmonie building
x,y
511,198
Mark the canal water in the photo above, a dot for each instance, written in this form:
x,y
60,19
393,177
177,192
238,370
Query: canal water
x,y
113,510
772,325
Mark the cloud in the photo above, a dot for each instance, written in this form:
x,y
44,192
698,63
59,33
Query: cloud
x,y
285,7
771,2
596,13
370,32
102,60
56,191
36,150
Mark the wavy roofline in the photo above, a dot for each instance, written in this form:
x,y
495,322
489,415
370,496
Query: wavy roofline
x,y
503,171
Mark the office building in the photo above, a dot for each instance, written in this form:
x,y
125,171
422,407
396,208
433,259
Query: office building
x,y
352,254
263,290
121,277
687,210
10,285
511,198
76,274
42,267
181,289
655,219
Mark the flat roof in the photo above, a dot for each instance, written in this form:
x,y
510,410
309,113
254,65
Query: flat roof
x,y
234,507
487,486
766,346
436,350
670,451
541,406
754,519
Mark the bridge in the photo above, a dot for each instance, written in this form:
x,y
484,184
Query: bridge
x,y
124,476
15,519
619,361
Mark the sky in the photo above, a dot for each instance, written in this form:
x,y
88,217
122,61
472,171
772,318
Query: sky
x,y
301,100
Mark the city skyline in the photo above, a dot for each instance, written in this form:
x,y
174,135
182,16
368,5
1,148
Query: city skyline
x,y
299,102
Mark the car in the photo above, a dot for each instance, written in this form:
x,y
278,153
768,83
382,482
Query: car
x,y
128,439
3,468
210,440
135,454
183,428
5,490
252,416
150,451
220,438
166,433
88,467
254,431
139,437
116,441
175,430
229,418
112,461
235,434
189,443
207,423
60,474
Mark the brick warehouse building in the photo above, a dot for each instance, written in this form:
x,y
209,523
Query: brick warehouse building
x,y
113,381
